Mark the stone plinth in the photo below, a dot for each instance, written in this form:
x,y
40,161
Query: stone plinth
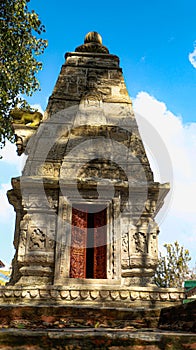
x,y
92,294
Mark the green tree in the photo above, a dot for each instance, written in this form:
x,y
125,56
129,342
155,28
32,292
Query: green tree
x,y
19,45
173,268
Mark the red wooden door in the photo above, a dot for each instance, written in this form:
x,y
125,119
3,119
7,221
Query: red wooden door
x,y
100,242
78,244
80,259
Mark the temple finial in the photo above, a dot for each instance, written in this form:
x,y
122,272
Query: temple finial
x,y
93,37
92,43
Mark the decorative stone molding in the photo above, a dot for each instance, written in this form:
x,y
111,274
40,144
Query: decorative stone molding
x,y
81,295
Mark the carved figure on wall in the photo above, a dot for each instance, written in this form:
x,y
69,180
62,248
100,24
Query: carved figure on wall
x,y
125,250
154,231
21,116
23,234
125,242
49,169
37,239
19,145
150,207
92,99
141,244
23,239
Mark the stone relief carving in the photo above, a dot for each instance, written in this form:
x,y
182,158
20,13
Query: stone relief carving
x,y
66,295
23,237
37,239
144,238
139,240
125,250
154,231
35,201
23,234
19,145
49,169
48,200
31,118
125,242
53,202
153,244
141,244
150,206
92,99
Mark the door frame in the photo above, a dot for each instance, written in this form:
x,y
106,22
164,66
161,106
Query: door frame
x,y
63,241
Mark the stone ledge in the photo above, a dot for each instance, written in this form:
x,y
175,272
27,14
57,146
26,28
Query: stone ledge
x,y
87,295
95,339
108,57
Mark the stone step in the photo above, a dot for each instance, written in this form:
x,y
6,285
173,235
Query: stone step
x,y
94,339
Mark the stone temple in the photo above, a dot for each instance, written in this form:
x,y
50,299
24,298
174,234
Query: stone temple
x,y
86,201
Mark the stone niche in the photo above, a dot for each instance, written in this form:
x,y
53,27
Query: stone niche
x,y
86,201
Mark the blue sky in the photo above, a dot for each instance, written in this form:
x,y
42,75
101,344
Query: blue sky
x,y
155,41
152,38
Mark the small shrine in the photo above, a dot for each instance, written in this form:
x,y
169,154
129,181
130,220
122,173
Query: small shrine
x,y
86,201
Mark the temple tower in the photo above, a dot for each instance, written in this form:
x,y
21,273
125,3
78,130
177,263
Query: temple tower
x,y
86,201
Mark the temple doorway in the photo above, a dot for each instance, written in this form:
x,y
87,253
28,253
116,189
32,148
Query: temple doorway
x,y
88,251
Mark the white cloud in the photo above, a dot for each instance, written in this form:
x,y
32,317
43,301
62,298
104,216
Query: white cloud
x,y
7,219
10,157
180,141
6,212
192,57
38,107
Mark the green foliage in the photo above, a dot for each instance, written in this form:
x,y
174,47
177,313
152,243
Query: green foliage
x,y
173,269
19,46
